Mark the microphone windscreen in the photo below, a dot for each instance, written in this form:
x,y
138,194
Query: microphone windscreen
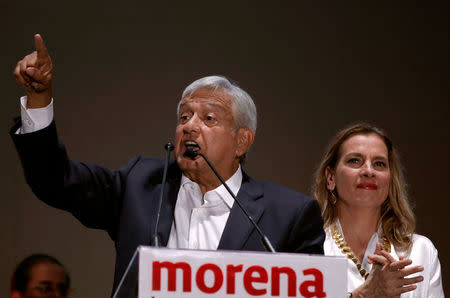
x,y
169,146
190,153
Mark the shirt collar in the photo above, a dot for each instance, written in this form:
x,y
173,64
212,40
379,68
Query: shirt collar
x,y
234,183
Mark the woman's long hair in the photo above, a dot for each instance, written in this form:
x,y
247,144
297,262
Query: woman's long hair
x,y
397,218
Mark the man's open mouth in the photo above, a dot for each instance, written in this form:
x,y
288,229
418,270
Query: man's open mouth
x,y
191,145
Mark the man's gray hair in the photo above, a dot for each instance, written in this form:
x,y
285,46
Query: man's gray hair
x,y
242,106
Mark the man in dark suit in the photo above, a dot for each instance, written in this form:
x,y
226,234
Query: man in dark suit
x,y
217,119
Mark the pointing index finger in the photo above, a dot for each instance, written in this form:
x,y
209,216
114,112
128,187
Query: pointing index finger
x,y
40,46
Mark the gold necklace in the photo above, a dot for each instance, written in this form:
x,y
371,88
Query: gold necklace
x,y
346,250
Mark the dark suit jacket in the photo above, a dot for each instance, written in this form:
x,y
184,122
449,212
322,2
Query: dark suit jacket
x,y
124,202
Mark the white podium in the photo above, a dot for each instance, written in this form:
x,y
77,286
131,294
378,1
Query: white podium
x,y
162,272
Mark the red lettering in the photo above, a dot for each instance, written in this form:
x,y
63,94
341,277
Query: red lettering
x,y
171,275
253,276
200,278
317,284
292,281
231,277
249,279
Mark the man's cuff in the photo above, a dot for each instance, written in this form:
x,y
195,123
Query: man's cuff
x,y
34,119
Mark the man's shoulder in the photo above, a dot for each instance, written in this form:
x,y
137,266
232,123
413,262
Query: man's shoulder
x,y
279,193
147,161
151,166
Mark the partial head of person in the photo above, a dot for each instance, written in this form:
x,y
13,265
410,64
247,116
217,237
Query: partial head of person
x,y
40,275
361,169
217,119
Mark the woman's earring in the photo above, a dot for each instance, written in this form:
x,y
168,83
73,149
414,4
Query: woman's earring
x,y
333,198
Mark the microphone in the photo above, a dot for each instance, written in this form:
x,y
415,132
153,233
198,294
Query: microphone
x,y
265,241
168,147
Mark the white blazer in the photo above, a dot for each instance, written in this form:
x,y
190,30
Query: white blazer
x,y
422,253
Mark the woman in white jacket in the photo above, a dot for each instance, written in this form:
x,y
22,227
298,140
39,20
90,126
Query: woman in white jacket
x,y
361,189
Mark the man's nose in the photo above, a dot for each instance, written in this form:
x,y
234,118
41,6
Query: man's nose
x,y
192,125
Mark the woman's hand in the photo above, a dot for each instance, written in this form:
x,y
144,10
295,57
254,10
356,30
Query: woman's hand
x,y
388,277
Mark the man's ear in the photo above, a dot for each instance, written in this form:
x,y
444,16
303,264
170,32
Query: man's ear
x,y
329,174
245,138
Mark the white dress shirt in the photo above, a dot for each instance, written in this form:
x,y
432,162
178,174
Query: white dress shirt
x,y
422,253
199,220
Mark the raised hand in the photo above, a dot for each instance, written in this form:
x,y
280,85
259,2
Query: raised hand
x,y
34,72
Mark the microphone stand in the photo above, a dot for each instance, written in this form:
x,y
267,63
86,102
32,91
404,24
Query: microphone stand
x,y
169,147
265,241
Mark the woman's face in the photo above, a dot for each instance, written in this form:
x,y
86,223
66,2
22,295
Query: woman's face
x,y
362,174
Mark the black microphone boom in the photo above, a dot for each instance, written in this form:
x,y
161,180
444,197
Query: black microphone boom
x,y
169,147
267,245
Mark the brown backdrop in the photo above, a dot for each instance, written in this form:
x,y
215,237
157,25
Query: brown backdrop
x,y
311,68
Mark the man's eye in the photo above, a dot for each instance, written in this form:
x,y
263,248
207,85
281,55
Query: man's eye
x,y
353,160
209,118
184,117
44,289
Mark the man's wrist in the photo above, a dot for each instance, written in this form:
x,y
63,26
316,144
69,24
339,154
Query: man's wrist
x,y
39,100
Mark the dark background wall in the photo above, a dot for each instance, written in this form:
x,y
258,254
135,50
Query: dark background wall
x,y
311,68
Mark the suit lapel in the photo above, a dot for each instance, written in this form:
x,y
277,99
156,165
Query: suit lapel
x,y
238,227
168,203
